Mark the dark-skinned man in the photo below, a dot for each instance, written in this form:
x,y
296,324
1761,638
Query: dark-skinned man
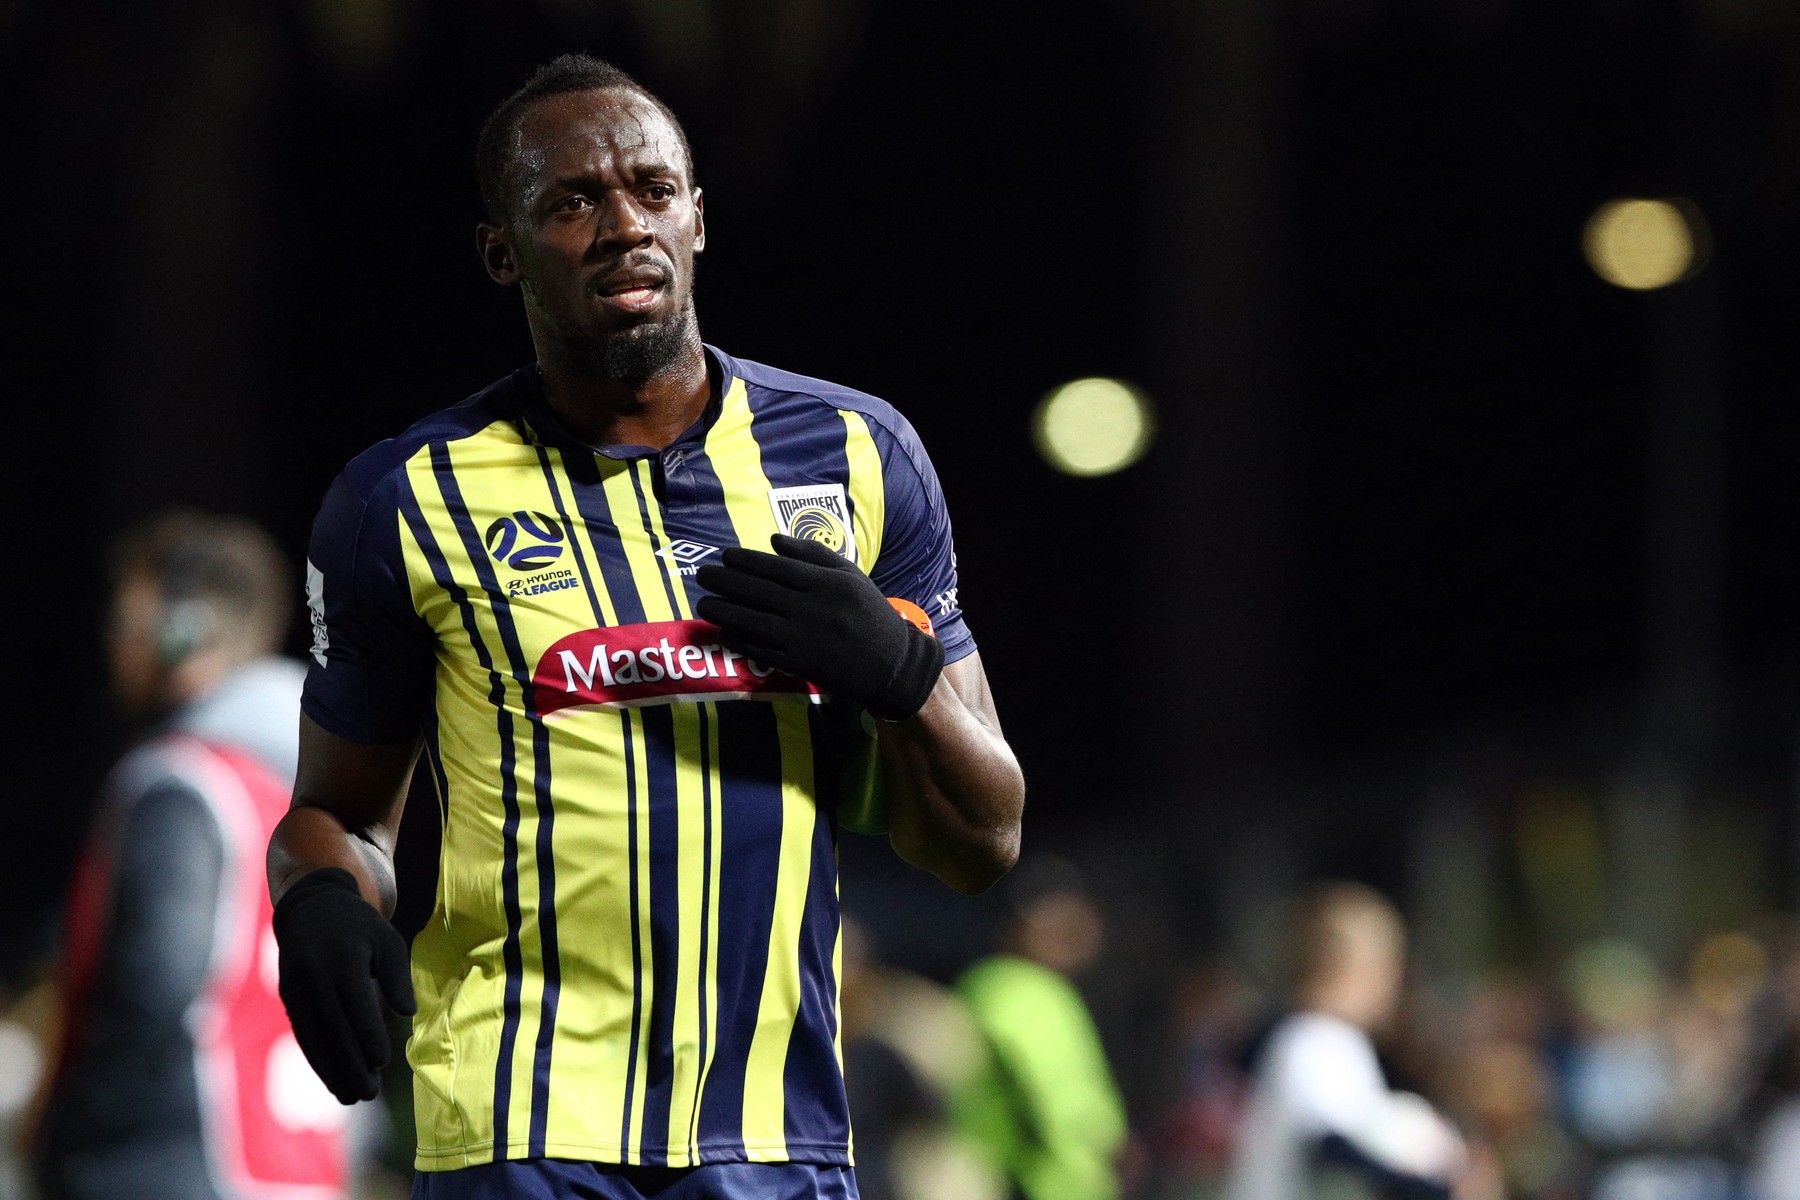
x,y
659,618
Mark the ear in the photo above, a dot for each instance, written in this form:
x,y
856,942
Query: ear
x,y
699,221
495,249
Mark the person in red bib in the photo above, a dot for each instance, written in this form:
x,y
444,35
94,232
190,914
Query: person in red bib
x,y
178,1074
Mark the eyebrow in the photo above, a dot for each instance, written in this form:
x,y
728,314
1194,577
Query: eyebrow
x,y
576,179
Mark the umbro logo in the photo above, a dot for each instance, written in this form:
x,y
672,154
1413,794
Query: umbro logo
x,y
685,552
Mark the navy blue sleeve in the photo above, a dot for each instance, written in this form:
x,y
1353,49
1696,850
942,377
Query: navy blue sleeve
x,y
370,674
918,554
1335,1150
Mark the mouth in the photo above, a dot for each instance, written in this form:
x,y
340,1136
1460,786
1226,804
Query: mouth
x,y
633,291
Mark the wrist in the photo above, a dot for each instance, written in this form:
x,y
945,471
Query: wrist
x,y
914,679
320,881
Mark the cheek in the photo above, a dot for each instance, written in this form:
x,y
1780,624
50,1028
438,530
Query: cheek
x,y
133,665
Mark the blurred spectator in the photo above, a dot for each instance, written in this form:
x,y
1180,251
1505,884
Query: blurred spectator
x,y
1213,1011
1501,1077
1319,1107
909,1045
1619,1074
1045,1110
178,1076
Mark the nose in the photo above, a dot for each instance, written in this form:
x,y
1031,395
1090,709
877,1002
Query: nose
x,y
622,225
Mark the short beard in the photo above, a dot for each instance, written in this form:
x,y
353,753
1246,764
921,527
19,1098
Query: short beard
x,y
639,354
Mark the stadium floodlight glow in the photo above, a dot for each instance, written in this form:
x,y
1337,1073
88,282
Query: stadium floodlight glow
x,y
1642,245
1093,426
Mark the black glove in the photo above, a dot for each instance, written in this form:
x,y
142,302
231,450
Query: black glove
x,y
810,612
339,959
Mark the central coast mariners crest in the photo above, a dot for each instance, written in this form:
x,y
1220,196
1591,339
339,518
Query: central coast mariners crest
x,y
816,512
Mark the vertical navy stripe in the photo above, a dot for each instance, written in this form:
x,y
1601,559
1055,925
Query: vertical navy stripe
x,y
706,519
706,853
637,486
586,475
562,511
665,929
749,850
546,812
637,948
813,1086
801,438
662,767
509,870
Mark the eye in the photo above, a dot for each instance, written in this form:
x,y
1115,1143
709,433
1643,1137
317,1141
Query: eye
x,y
661,193
571,204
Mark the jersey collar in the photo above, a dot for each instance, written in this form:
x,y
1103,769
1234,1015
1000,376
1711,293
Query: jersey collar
x,y
542,425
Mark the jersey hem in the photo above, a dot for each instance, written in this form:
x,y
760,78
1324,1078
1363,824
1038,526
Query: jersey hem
x,y
817,1154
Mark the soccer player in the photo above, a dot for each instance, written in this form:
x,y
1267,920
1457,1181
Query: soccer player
x,y
634,602
178,1077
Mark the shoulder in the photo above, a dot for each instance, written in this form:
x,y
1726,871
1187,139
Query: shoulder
x,y
1310,1040
161,776
768,387
375,470
1004,982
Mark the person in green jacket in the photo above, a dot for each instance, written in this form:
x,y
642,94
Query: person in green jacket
x,y
1045,1111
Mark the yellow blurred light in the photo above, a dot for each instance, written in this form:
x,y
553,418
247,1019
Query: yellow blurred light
x,y
1093,426
1645,244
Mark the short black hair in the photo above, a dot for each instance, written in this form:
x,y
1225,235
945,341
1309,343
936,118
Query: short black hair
x,y
495,150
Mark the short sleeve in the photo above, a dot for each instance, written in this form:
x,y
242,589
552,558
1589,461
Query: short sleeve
x,y
370,671
918,554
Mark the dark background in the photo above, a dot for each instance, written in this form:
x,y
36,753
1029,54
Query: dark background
x,y
1430,499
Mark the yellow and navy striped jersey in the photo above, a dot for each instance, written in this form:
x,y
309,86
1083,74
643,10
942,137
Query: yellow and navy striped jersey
x,y
633,953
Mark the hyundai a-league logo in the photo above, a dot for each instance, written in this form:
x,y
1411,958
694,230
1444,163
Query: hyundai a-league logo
x,y
526,541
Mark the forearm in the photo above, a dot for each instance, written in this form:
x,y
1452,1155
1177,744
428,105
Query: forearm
x,y
955,794
309,838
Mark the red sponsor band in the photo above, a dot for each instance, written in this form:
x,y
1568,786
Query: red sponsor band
x,y
659,662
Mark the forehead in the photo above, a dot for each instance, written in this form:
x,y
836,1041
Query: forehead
x,y
137,595
595,132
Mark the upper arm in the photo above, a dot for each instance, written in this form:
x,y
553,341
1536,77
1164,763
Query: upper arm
x,y
367,686
362,785
169,867
1330,1077
369,676
917,561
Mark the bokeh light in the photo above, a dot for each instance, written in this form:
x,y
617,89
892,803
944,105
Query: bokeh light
x,y
1645,244
1093,426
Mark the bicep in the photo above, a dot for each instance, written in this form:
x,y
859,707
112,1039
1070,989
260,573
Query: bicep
x,y
362,785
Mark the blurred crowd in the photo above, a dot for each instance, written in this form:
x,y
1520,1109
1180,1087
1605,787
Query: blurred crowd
x,y
1601,1077
1604,1076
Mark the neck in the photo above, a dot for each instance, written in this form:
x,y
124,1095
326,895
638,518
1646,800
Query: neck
x,y
604,410
1339,1002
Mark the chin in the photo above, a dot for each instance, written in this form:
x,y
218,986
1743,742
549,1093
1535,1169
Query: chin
x,y
642,350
